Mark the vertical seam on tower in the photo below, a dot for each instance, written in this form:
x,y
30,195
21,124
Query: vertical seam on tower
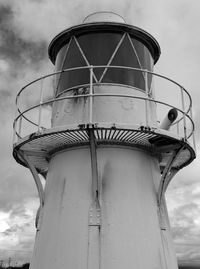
x,y
95,209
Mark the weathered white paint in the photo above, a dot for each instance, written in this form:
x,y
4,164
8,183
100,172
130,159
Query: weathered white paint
x,y
62,241
130,234
106,109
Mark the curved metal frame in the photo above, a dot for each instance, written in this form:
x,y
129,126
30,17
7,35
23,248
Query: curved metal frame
x,y
103,95
184,111
35,176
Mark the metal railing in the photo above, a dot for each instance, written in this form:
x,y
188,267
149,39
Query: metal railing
x,y
38,96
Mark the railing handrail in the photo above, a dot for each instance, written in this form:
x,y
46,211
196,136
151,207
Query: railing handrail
x,y
82,85
184,111
105,66
108,95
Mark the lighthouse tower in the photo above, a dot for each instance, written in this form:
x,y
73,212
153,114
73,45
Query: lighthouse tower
x,y
108,144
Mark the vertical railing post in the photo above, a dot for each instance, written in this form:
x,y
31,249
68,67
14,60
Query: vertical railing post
x,y
40,106
147,96
184,118
91,95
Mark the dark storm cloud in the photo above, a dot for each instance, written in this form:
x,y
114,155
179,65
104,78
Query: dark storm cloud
x,y
6,15
19,58
15,49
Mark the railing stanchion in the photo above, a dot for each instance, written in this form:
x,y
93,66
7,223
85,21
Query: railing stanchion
x,y
91,95
184,119
40,107
147,96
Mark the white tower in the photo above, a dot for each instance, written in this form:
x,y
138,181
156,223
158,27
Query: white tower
x,y
98,143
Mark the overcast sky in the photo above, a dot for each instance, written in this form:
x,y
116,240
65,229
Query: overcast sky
x,y
26,28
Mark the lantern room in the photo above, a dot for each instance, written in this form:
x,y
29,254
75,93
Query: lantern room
x,y
118,54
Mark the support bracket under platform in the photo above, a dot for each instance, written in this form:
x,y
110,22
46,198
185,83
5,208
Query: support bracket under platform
x,y
39,186
168,173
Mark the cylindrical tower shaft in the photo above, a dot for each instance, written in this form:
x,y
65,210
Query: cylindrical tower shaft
x,y
124,229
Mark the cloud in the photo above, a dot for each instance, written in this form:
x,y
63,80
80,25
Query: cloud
x,y
27,26
17,240
20,61
13,47
186,231
183,199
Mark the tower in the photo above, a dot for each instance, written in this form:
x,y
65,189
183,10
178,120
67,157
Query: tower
x,y
106,146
